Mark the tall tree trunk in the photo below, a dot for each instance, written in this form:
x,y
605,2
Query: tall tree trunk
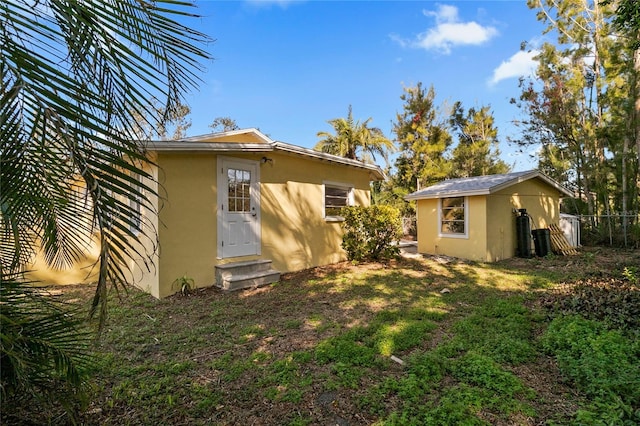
x,y
636,116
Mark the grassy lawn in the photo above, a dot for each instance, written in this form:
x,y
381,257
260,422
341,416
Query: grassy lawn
x,y
416,341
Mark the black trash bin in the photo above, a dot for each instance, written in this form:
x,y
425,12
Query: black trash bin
x,y
542,242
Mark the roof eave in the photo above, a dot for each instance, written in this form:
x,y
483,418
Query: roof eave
x,y
253,130
444,194
516,180
531,175
192,146
294,149
232,147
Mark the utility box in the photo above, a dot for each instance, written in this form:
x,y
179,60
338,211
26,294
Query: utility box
x,y
570,226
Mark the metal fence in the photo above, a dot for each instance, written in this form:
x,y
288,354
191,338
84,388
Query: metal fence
x,y
615,230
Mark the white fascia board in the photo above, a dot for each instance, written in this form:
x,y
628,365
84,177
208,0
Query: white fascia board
x,y
282,146
445,194
533,174
253,130
188,146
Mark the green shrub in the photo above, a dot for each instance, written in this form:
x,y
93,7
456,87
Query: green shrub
x,y
614,301
370,231
347,349
480,370
604,364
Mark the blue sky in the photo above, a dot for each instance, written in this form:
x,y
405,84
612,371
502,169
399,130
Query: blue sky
x,y
287,67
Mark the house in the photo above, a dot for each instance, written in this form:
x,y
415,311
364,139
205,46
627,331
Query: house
x,y
474,218
237,208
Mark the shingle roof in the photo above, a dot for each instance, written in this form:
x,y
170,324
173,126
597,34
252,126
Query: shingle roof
x,y
482,185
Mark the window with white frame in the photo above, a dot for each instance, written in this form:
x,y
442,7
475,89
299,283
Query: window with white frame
x,y
453,217
336,197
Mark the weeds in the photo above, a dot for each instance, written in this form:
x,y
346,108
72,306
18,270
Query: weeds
x,y
605,364
470,356
615,302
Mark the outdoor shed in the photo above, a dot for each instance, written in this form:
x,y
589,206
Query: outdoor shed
x,y
474,218
235,209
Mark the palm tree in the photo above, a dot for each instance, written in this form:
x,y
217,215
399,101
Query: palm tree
x,y
74,76
353,138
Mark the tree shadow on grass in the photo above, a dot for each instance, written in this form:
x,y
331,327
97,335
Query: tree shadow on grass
x,y
267,355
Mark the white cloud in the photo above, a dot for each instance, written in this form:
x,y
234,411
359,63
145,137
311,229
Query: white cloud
x,y
449,32
519,65
445,13
401,41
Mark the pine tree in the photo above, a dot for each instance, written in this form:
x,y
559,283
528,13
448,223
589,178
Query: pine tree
x,y
423,139
476,153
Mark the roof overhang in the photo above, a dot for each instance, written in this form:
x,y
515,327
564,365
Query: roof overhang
x,y
191,146
200,144
310,153
252,130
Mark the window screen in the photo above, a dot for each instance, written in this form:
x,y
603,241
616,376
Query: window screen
x,y
452,215
335,198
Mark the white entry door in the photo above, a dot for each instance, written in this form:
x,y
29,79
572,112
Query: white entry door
x,y
238,208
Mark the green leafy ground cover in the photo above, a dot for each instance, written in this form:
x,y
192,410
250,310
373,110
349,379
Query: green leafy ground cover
x,y
517,342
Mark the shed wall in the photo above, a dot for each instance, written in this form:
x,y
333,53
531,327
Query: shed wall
x,y
501,227
473,247
492,232
542,201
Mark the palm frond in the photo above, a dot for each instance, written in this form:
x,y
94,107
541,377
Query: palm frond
x,y
72,72
42,345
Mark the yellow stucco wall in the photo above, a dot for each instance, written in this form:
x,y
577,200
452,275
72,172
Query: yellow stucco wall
x,y
472,247
492,229
542,202
82,271
187,229
144,266
294,234
238,138
501,226
85,269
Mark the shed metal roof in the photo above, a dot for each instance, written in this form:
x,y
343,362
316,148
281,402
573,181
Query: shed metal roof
x,y
482,185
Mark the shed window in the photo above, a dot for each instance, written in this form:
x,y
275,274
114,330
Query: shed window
x,y
336,197
453,216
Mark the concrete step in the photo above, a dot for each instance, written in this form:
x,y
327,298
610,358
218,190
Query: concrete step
x,y
250,274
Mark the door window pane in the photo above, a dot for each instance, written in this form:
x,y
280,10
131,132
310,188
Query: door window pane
x,y
239,200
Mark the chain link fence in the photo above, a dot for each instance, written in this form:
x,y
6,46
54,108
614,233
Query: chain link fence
x,y
614,230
